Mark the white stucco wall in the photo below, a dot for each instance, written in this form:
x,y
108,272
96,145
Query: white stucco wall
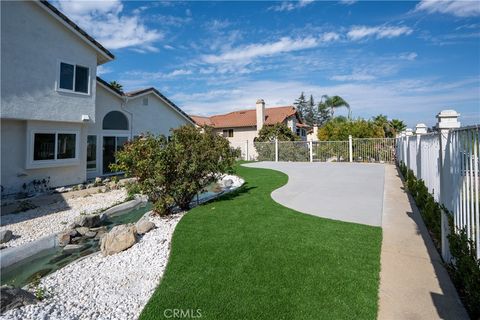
x,y
32,45
157,117
14,151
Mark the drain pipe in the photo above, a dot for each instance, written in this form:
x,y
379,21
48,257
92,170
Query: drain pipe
x,y
124,108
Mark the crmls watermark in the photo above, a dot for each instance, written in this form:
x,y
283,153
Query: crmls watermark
x,y
182,313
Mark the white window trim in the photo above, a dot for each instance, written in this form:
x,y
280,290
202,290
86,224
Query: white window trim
x,y
34,164
57,84
96,153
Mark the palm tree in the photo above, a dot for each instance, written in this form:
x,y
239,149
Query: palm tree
x,y
116,85
336,102
397,125
382,121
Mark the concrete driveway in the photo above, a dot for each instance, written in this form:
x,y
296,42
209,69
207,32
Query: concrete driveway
x,y
350,192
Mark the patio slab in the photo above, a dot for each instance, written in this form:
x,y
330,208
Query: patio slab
x,y
351,192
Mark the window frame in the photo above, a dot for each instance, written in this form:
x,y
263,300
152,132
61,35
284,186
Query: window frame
x,y
228,133
59,68
96,154
33,164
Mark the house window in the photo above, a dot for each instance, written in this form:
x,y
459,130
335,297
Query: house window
x,y
298,132
145,101
54,146
91,153
115,120
228,133
111,145
66,145
44,146
74,78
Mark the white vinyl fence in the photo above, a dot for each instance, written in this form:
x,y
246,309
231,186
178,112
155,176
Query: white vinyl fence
x,y
354,150
448,162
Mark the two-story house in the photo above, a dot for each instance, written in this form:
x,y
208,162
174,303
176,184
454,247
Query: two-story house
x,y
60,123
241,127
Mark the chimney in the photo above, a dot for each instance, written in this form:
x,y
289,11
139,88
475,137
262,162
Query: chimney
x,y
260,113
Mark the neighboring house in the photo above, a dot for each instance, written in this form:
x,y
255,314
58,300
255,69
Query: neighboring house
x,y
241,127
59,122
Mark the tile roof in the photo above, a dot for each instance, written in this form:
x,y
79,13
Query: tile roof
x,y
246,118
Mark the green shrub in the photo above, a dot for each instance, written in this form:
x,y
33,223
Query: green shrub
x,y
465,270
172,171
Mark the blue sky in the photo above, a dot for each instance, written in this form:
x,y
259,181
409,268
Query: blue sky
x,y
405,59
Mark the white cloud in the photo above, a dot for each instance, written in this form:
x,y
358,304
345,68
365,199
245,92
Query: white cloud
x,y
101,70
395,98
410,56
291,5
347,2
463,8
353,77
379,32
107,23
285,44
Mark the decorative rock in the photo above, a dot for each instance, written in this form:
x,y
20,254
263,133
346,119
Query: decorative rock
x,y
72,247
82,230
63,239
5,236
118,239
98,180
90,234
107,180
90,221
80,186
90,185
144,225
14,297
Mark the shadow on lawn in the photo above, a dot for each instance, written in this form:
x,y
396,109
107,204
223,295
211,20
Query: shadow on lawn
x,y
244,189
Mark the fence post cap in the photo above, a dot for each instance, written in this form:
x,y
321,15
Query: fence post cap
x,y
420,128
403,133
448,119
408,132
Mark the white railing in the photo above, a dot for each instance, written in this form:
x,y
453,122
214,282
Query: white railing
x,y
354,150
448,163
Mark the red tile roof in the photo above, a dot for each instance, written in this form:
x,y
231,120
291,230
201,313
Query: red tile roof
x,y
246,118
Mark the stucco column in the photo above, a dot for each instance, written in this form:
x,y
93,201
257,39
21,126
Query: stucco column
x,y
446,121
408,134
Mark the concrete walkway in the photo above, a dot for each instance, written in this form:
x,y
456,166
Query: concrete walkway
x,y
413,282
350,192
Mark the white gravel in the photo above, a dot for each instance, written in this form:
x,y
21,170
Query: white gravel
x,y
112,287
36,223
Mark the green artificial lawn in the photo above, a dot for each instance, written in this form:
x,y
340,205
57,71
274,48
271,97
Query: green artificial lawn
x,y
245,256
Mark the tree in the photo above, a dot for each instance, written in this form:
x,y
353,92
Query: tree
x,y
323,114
173,171
336,102
382,121
278,131
116,85
301,105
311,113
339,128
398,125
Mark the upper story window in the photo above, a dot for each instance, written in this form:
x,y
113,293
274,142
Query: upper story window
x,y
74,78
115,120
228,133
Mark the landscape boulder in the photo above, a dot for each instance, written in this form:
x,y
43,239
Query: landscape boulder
x,y
5,236
14,298
144,225
118,239
63,239
89,221
82,230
